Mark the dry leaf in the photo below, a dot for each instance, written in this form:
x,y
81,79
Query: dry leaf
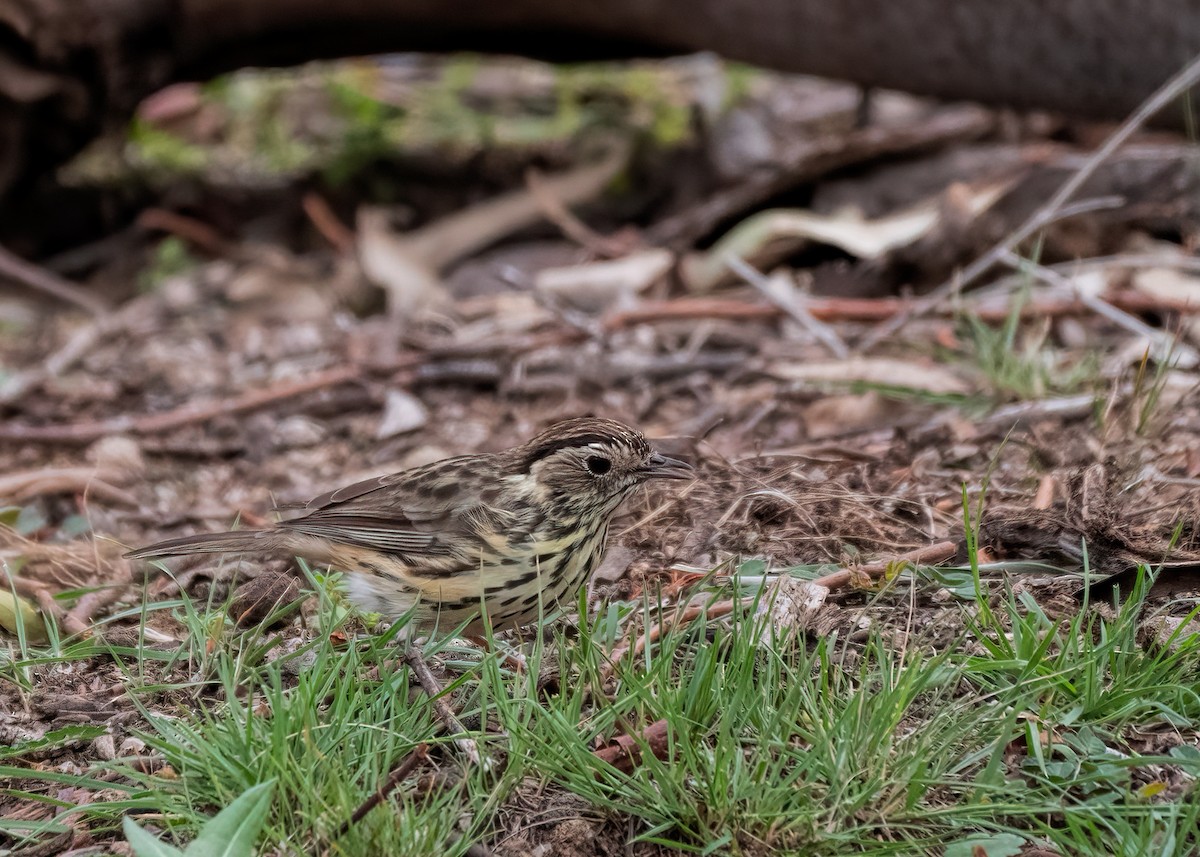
x,y
884,372
770,236
12,606
1172,285
599,286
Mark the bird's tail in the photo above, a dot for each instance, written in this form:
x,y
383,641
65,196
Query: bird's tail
x,y
231,542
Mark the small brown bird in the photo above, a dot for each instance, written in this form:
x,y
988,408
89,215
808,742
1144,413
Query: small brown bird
x,y
512,532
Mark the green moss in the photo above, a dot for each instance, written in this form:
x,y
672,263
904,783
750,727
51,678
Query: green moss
x,y
335,120
739,79
157,149
171,257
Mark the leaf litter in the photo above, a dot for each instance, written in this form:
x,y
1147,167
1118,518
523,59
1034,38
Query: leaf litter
x,y
255,378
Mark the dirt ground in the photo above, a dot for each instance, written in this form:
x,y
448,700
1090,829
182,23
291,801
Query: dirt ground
x,y
277,365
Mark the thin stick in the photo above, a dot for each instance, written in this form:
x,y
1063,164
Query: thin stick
x,y
190,229
930,554
327,223
436,694
712,611
179,417
79,619
1160,339
1170,90
1184,80
398,775
795,309
934,299
568,224
252,400
66,480
1120,261
876,309
40,280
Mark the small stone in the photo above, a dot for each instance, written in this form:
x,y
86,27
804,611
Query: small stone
x,y
402,412
104,748
118,453
132,747
297,432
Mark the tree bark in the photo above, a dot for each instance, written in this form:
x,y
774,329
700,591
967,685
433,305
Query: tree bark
x,y
68,67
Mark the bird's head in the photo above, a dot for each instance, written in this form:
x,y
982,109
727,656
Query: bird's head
x,y
591,463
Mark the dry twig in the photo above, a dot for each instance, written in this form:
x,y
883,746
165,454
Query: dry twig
x,y
79,618
871,309
553,209
1162,341
1054,209
796,310
195,232
436,694
399,773
39,279
400,369
711,611
327,223
929,555
78,433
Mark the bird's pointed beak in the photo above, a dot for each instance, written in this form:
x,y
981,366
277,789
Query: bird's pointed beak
x,y
659,466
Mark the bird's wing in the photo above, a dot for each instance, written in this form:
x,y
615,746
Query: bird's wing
x,y
403,513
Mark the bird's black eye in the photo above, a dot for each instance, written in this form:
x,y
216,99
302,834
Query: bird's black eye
x,y
598,465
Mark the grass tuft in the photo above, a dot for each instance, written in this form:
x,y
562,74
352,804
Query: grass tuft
x,y
1027,730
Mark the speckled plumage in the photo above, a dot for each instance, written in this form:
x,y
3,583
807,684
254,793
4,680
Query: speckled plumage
x,y
520,531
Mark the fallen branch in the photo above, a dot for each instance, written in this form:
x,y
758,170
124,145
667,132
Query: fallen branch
x,y
625,753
